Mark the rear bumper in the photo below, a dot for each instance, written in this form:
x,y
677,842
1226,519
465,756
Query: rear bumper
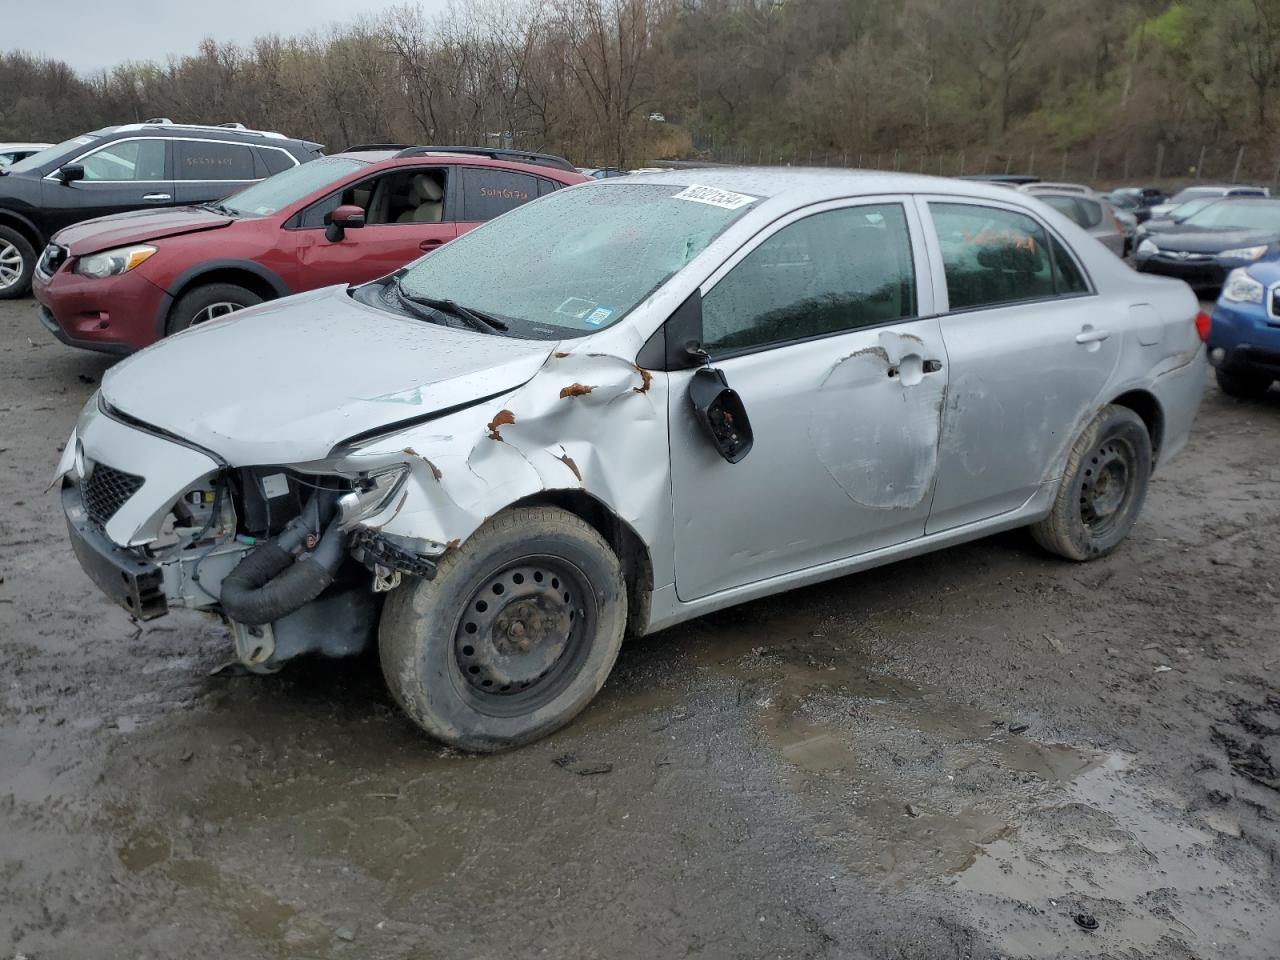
x,y
112,315
122,574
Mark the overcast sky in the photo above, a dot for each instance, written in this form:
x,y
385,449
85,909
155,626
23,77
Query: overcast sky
x,y
90,34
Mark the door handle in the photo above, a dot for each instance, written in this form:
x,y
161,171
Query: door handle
x,y
157,197
1090,335
932,366
429,244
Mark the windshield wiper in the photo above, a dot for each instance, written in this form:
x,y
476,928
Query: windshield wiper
x,y
475,318
221,208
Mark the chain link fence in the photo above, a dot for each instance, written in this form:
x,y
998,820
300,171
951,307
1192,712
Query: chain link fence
x,y
1159,164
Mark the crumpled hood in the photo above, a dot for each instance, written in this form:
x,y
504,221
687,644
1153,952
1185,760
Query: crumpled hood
x,y
1213,239
138,226
287,381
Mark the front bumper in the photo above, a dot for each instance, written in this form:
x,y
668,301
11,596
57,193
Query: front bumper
x,y
1243,339
112,315
1198,273
124,575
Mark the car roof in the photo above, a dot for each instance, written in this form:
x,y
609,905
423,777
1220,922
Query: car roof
x,y
22,145
803,185
392,158
197,131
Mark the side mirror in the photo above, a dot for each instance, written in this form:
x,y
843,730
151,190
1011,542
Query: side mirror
x,y
721,413
71,172
344,218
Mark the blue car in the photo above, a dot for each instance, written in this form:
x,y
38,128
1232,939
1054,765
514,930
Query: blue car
x,y
1244,337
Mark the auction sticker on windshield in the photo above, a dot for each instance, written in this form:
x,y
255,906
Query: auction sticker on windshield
x,y
714,196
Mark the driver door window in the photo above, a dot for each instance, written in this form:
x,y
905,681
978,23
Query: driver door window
x,y
405,217
127,160
412,196
828,273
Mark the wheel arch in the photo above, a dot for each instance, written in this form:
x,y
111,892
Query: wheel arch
x,y
17,221
630,548
262,281
1145,404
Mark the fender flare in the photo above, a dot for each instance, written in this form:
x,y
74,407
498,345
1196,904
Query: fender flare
x,y
184,279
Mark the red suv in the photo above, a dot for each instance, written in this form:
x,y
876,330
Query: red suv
x,y
122,282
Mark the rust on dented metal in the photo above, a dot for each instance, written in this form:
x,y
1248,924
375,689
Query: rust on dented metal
x,y
568,462
575,390
501,419
647,377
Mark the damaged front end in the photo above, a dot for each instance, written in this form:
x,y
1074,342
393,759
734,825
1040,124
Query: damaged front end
x,y
280,552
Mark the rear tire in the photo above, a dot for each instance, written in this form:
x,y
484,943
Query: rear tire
x,y
1102,490
513,637
1243,386
17,263
209,302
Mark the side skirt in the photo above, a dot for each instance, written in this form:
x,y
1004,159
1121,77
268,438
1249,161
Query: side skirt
x,y
667,609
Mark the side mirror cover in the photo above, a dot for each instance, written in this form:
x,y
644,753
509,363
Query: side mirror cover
x,y
71,172
721,412
341,219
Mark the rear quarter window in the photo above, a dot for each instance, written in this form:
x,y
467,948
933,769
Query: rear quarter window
x,y
488,193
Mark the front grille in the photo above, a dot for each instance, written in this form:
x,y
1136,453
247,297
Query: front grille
x,y
53,257
106,490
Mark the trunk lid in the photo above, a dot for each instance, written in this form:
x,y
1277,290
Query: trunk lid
x,y
137,226
287,381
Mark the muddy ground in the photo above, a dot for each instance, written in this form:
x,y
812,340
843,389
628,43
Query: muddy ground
x,y
952,757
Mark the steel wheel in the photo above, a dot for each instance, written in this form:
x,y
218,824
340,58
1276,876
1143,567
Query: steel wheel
x,y
523,634
215,310
11,265
1106,487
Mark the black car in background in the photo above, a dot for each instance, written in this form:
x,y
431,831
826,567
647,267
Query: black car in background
x,y
1137,200
135,166
1212,242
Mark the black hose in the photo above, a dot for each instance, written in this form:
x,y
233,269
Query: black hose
x,y
269,583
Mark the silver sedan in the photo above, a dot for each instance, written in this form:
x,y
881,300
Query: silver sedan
x,y
624,405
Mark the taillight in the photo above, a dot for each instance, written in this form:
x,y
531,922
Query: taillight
x,y
1203,323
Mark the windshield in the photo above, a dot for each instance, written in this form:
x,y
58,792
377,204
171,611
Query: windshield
x,y
1254,215
1191,193
38,160
577,260
1189,209
290,186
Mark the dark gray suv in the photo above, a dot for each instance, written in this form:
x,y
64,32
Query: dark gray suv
x,y
136,166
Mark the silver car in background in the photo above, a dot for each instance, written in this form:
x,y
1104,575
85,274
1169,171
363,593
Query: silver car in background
x,y
624,405
1090,211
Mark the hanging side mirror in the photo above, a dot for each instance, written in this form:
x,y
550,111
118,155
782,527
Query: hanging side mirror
x,y
720,411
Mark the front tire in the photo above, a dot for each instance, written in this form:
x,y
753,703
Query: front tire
x,y
1243,386
209,302
17,263
1102,490
513,637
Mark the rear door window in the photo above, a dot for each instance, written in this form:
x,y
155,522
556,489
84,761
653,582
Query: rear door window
x,y
210,160
487,193
992,256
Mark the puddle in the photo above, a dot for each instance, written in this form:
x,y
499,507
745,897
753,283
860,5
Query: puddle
x,y
1127,855
896,776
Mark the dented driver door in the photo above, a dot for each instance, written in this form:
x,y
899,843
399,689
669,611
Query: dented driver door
x,y
813,325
